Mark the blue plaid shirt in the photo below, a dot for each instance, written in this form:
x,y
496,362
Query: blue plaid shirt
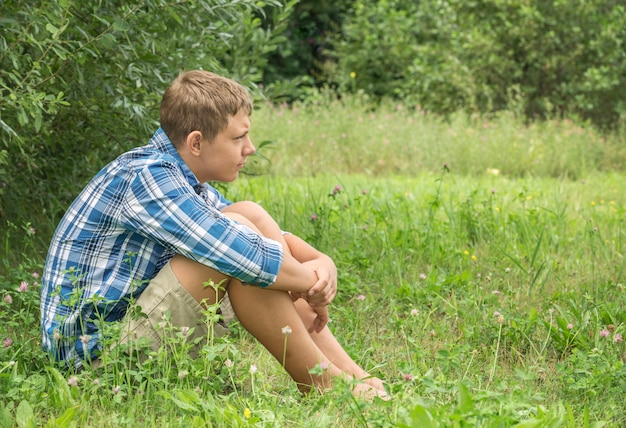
x,y
127,223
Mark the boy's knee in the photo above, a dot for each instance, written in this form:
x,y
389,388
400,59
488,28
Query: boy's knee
x,y
249,210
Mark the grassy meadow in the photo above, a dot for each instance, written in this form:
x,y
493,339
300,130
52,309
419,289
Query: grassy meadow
x,y
481,266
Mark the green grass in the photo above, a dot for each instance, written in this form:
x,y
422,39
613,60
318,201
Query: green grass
x,y
484,297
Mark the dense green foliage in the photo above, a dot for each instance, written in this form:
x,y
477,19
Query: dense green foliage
x,y
543,58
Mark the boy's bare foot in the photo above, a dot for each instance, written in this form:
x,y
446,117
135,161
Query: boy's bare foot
x,y
369,392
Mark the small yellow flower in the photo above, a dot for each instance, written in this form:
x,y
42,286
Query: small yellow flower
x,y
247,413
466,252
474,257
352,75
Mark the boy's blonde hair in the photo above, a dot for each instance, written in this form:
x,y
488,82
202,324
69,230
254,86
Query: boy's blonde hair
x,y
201,101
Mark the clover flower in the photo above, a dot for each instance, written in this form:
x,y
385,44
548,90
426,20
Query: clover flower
x,y
23,288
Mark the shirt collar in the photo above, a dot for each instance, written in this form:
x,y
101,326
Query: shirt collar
x,y
161,142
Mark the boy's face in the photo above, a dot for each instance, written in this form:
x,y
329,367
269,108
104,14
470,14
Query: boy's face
x,y
223,158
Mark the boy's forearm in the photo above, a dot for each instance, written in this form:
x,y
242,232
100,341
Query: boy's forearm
x,y
294,276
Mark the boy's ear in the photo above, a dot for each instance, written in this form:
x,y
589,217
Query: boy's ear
x,y
193,142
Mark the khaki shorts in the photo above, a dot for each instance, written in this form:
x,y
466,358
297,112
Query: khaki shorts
x,y
165,294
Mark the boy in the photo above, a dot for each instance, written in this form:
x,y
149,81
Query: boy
x,y
148,227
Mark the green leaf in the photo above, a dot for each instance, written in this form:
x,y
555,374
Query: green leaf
x,y
24,415
420,417
121,25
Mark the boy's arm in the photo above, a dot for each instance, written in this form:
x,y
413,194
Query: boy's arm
x,y
325,289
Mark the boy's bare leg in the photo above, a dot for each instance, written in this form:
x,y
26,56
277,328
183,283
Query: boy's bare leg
x,y
332,349
264,313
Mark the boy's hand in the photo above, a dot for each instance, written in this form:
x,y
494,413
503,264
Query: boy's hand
x,y
325,289
321,320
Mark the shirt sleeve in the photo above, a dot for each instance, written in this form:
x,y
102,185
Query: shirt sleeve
x,y
162,206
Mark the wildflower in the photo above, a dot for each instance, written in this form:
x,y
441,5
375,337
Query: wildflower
x,y
407,377
23,288
466,252
7,342
228,363
364,192
432,333
8,299
96,381
493,171
618,338
604,333
324,365
611,327
253,369
140,392
72,381
85,339
116,390
507,270
184,331
182,374
313,217
474,257
422,276
35,275
496,314
286,330
360,297
570,326
31,231
414,312
337,190
352,75
247,413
